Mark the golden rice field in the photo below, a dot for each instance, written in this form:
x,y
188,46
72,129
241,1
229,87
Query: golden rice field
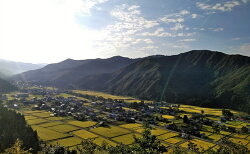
x,y
101,94
154,131
132,126
48,124
67,142
63,128
99,141
42,114
84,134
47,134
166,136
111,131
81,124
215,137
168,117
126,139
202,145
36,121
239,141
173,140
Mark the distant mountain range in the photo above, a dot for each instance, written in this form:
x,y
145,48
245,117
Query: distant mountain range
x,y
69,72
9,68
198,77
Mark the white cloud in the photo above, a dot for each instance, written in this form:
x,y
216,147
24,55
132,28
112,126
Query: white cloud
x,y
188,40
236,39
226,6
194,15
217,29
173,20
184,12
128,22
177,26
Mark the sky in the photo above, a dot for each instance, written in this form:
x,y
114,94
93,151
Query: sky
x,y
48,31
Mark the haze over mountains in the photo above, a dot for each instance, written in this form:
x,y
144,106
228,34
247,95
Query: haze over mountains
x,y
9,68
203,77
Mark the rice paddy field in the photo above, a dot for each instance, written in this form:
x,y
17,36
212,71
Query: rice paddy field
x,y
106,96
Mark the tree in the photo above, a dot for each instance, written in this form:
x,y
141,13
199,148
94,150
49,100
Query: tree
x,y
185,119
16,149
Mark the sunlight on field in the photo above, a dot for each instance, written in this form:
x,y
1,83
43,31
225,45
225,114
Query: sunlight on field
x,y
168,117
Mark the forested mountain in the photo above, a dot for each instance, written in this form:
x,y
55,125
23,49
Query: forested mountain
x,y
8,68
12,127
198,77
5,86
203,78
68,72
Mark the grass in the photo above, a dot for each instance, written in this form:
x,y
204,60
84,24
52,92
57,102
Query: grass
x,y
202,145
84,134
67,142
99,141
110,131
84,124
36,121
51,124
166,136
126,139
63,128
131,126
47,134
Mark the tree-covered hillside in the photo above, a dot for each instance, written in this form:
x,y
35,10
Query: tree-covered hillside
x,y
12,127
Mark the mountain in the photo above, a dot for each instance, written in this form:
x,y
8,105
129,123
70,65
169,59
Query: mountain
x,y
8,68
198,77
68,72
5,86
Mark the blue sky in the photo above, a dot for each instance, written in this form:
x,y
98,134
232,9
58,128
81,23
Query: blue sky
x,y
53,30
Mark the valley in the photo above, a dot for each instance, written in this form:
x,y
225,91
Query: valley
x,y
66,117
